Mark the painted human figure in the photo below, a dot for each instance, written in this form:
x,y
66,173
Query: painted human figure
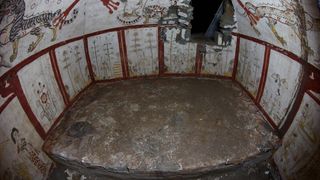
x,y
28,152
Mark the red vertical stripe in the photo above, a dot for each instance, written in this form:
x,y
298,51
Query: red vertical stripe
x,y
198,59
296,105
124,46
58,77
264,74
26,107
88,59
160,52
236,59
123,54
266,115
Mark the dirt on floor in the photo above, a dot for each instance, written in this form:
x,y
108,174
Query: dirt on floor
x,y
160,127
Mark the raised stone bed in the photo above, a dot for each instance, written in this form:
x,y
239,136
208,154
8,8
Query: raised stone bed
x,y
160,128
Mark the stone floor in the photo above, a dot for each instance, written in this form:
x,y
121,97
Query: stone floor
x,y
160,128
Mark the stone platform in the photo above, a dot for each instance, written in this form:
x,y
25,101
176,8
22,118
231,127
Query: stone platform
x,y
160,128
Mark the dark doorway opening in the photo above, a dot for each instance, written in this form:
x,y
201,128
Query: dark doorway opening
x,y
203,13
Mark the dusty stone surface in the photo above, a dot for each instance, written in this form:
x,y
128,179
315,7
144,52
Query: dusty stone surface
x,y
159,127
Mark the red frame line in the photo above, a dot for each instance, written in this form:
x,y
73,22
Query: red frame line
x,y
27,109
58,77
123,52
198,59
7,102
316,99
160,53
125,69
236,59
269,120
264,73
88,59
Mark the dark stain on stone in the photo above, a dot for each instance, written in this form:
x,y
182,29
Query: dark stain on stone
x,y
79,129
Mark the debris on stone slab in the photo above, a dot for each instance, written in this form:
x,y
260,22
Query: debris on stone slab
x,y
74,175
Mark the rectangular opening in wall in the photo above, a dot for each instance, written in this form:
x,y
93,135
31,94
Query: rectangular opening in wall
x,y
213,21
203,13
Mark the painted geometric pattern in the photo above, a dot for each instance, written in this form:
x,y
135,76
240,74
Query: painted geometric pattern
x,y
41,90
142,51
105,56
73,67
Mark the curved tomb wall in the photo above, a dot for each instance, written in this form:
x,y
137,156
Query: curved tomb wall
x,y
290,82
277,64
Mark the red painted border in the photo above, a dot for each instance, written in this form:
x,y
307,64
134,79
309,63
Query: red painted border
x,y
236,59
33,57
269,120
111,80
264,73
211,76
180,75
123,52
88,59
273,47
314,85
58,77
315,98
60,117
296,105
26,107
7,102
160,53
198,59
122,58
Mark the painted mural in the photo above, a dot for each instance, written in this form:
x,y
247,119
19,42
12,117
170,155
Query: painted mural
x,y
301,143
250,65
142,50
127,13
22,25
105,56
313,32
142,10
178,58
281,86
28,26
42,91
281,22
73,67
20,146
219,61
